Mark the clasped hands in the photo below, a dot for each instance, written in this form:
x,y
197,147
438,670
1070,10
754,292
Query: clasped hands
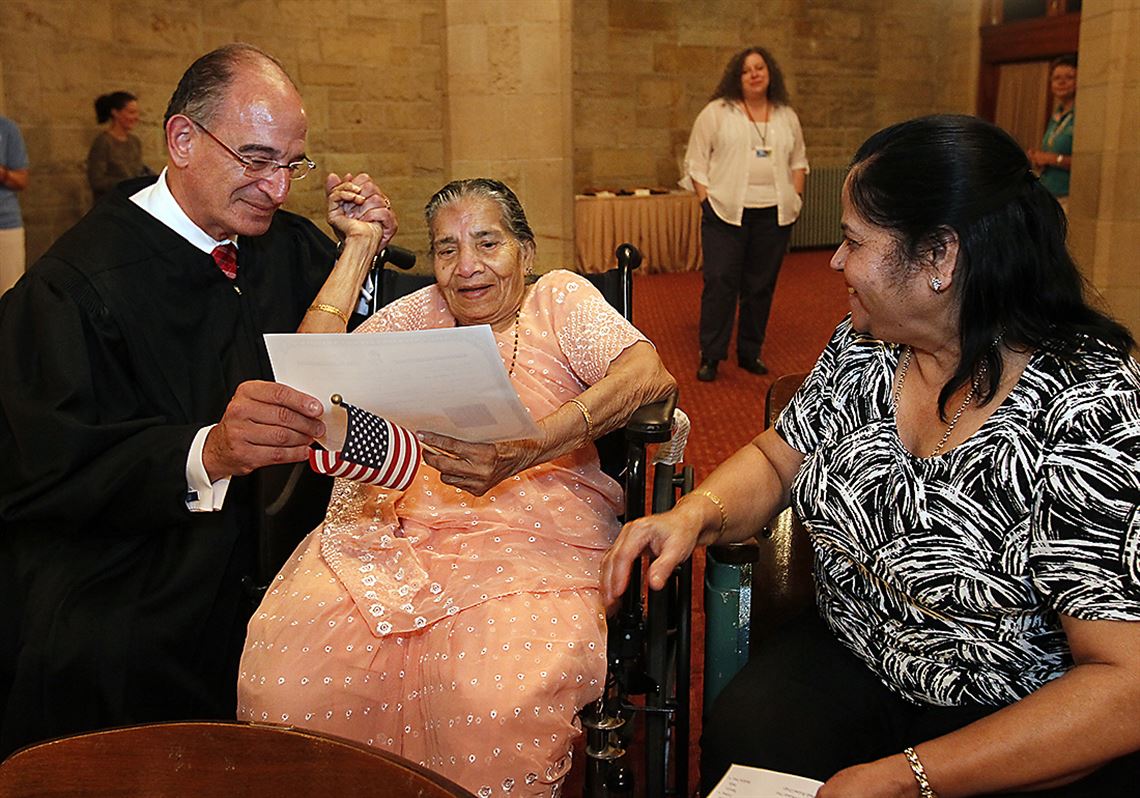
x,y
1039,159
357,206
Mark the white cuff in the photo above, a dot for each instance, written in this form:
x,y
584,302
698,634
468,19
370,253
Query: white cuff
x,y
202,496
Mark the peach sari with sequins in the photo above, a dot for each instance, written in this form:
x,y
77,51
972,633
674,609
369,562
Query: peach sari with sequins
x,y
461,632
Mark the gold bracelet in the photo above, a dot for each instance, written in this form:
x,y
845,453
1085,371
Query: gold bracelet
x,y
586,416
333,309
712,497
924,788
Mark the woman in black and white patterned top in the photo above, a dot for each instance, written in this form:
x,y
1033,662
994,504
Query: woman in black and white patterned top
x,y
966,456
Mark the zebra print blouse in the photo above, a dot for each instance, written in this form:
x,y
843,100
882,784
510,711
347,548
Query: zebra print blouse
x,y
946,574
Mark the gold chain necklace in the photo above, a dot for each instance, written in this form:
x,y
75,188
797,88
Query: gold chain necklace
x,y
515,353
904,364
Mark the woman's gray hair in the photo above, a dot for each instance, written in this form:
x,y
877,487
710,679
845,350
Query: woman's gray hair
x,y
203,86
514,218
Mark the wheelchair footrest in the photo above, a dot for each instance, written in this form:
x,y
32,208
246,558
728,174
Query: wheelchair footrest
x,y
607,753
603,722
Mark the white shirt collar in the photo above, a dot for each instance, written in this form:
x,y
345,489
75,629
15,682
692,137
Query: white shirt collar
x,y
157,200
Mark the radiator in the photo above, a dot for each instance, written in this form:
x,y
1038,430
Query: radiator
x,y
818,225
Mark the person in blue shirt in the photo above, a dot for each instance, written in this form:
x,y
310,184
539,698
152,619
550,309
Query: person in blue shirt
x,y
13,178
1054,159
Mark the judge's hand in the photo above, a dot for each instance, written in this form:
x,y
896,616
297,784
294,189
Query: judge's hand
x,y
356,206
264,423
477,467
670,537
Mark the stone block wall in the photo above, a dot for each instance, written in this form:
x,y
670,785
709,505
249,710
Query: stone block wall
x,y
643,70
550,95
370,73
509,109
1104,207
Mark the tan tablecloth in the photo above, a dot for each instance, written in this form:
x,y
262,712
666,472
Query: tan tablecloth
x,y
665,227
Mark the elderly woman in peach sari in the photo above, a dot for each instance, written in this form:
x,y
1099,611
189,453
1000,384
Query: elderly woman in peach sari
x,y
459,623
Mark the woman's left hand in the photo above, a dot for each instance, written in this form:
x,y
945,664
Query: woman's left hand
x,y
1039,159
477,467
885,778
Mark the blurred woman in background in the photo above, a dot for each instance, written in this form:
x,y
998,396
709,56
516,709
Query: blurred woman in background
x,y
116,153
1054,159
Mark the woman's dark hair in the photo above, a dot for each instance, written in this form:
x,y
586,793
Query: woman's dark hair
x,y
1015,279
729,86
115,101
1063,60
202,88
514,218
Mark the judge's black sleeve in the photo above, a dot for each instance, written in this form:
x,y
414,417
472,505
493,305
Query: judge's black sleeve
x,y
117,604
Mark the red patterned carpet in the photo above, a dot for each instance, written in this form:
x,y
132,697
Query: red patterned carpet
x,y
810,301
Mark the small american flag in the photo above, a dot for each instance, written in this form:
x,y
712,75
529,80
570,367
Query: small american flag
x,y
376,452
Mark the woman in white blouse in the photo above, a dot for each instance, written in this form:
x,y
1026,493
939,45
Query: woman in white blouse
x,y
746,163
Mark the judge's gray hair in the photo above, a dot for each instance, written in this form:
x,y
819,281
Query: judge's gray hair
x,y
203,86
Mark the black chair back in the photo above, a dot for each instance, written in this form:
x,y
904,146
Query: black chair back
x,y
394,284
616,285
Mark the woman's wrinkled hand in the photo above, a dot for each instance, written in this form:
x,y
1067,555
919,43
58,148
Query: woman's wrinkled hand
x,y
669,537
476,467
357,206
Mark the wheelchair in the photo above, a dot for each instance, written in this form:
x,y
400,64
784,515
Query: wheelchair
x,y
646,697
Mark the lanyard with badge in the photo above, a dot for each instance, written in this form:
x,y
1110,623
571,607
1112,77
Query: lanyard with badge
x,y
1060,124
763,151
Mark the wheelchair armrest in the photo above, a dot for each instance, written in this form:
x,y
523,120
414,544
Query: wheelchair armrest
x,y
652,423
742,553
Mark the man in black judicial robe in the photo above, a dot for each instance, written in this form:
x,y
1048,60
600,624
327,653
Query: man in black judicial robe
x,y
121,600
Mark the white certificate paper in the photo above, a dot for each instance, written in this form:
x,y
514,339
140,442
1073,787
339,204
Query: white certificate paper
x,y
743,781
449,381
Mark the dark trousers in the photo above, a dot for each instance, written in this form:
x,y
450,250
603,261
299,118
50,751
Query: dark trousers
x,y
806,705
739,262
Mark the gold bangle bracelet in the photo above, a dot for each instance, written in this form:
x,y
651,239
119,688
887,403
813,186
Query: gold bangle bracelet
x,y
712,497
924,788
333,309
586,416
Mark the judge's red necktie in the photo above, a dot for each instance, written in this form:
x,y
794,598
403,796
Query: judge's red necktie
x,y
225,255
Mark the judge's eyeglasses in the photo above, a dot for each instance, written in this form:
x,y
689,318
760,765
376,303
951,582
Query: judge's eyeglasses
x,y
262,168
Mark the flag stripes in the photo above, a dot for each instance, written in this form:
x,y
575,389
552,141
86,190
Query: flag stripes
x,y
376,452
